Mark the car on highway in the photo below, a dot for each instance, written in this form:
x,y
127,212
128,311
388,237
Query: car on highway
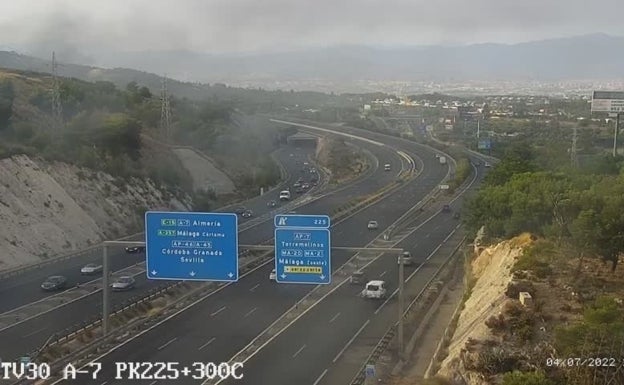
x,y
305,186
273,276
375,290
387,167
55,282
299,190
357,278
456,215
297,184
446,209
373,225
488,165
135,249
240,210
247,214
90,269
271,203
407,259
123,283
284,195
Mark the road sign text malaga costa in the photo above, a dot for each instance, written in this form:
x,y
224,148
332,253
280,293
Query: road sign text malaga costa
x,y
191,246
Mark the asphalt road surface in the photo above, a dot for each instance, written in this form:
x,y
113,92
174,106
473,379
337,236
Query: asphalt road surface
x,y
223,323
27,336
316,341
25,288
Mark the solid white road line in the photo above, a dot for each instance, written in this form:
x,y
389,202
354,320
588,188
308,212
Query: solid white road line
x,y
251,311
417,269
207,343
334,317
382,274
255,287
218,311
320,377
299,351
168,343
350,341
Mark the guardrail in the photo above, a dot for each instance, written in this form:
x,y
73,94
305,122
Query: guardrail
x,y
341,212
387,338
90,250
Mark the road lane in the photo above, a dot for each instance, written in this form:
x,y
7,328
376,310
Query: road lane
x,y
91,306
25,288
227,342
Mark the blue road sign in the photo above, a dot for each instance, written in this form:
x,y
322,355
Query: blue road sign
x,y
315,221
191,246
302,255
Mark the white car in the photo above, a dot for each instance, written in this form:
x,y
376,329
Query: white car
x,y
124,283
487,165
273,275
91,268
373,225
387,167
375,290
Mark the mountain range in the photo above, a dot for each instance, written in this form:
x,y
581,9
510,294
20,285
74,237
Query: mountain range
x,y
595,57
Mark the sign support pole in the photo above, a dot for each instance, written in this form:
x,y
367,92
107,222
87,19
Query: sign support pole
x,y
401,299
615,133
105,290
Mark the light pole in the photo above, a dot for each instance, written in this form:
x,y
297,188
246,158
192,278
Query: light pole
x,y
401,284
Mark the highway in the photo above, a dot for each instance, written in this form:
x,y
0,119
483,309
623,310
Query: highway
x,y
25,288
316,341
32,333
217,327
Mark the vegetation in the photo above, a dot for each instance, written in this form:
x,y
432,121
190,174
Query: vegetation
x,y
576,207
117,131
526,378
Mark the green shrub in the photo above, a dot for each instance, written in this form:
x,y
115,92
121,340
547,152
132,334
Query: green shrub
x,y
526,378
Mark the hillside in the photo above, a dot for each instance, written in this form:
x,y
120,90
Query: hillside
x,y
553,59
49,208
575,310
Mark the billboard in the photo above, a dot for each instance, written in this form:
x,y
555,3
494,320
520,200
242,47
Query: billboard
x,y
484,144
607,101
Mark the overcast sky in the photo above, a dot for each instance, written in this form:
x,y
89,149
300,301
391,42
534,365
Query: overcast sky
x,y
83,27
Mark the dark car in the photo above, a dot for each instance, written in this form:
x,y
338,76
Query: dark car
x,y
446,209
247,214
240,210
56,282
135,249
271,203
299,190
358,278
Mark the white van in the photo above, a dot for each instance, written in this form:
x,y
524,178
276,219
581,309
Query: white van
x,y
284,195
375,290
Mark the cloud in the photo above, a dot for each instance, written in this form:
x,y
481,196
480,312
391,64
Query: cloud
x,y
82,27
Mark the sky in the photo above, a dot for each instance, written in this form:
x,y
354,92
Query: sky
x,y
79,28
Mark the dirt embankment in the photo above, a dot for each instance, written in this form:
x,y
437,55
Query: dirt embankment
x,y
492,272
52,208
343,161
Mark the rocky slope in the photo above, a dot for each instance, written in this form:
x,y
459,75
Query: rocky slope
x,y
52,208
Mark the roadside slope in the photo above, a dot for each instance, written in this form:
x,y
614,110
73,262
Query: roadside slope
x,y
49,208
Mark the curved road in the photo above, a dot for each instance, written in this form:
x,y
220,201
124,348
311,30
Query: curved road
x,y
29,335
220,325
25,288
